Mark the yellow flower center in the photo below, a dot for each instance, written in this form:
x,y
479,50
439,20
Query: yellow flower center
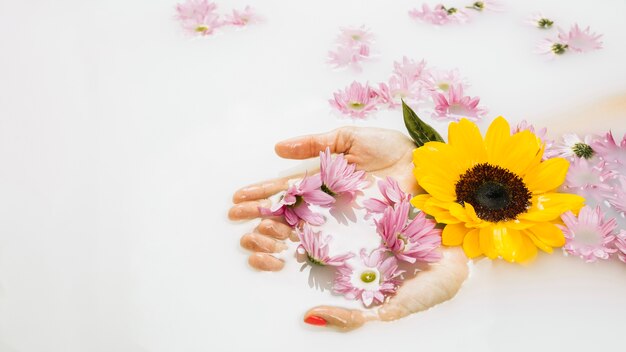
x,y
368,276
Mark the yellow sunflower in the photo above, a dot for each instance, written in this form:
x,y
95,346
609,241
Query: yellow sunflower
x,y
496,196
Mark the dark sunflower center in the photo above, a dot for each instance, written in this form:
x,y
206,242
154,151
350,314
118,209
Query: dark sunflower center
x,y
496,193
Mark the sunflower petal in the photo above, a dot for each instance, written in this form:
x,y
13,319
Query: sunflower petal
x,y
526,252
485,237
548,233
546,176
549,206
471,244
419,200
453,234
464,136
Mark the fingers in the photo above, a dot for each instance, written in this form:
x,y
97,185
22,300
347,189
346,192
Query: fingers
x,y
265,262
260,190
260,243
310,146
336,317
275,229
248,210
437,284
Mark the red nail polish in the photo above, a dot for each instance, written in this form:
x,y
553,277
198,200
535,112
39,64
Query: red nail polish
x,y
315,320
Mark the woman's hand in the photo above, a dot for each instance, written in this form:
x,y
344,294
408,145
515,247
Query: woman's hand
x,y
380,152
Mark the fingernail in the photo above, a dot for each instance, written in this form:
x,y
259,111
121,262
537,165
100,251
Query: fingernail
x,y
315,320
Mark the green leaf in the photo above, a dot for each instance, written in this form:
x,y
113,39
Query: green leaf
x,y
420,131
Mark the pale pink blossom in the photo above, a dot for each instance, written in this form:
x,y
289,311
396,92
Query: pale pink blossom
x,y
580,40
392,194
572,146
295,202
198,16
340,178
588,174
406,88
612,152
442,80
551,47
370,279
244,17
411,69
383,93
314,245
357,100
455,106
539,20
486,5
439,15
589,235
355,36
620,245
409,241
617,196
347,56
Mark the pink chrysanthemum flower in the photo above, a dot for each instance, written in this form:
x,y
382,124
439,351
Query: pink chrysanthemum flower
x,y
355,36
340,178
347,56
611,152
385,97
370,280
405,88
198,16
410,69
620,245
294,205
315,247
392,194
581,40
442,80
552,47
617,196
486,5
412,241
439,15
456,106
357,100
243,18
589,235
539,20
588,174
571,146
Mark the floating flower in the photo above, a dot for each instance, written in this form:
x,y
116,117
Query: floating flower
x,y
495,195
580,40
488,5
294,205
198,16
442,80
392,194
405,88
539,20
552,47
315,247
340,178
620,245
345,56
456,106
439,15
572,146
410,69
590,174
412,241
589,235
612,152
370,280
357,100
617,196
355,36
383,93
243,18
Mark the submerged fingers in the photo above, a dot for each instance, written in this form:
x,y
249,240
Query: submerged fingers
x,y
260,190
248,210
275,229
261,243
265,262
336,317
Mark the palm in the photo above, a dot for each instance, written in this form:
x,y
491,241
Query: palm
x,y
382,153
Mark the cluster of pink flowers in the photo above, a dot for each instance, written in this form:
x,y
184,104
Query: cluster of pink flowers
x,y
404,236
352,46
597,172
441,91
440,14
200,17
575,40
